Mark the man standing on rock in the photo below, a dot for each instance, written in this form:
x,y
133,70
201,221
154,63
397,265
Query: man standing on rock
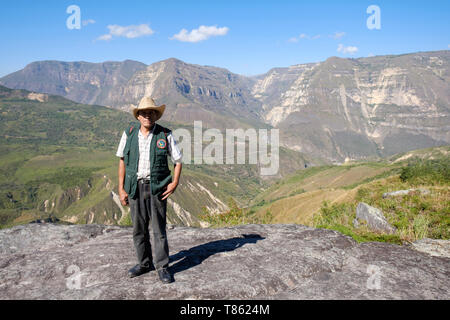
x,y
145,183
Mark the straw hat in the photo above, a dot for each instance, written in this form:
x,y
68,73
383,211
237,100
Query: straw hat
x,y
147,103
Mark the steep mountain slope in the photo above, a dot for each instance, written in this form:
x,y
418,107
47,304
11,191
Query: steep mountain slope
x,y
336,109
301,197
214,95
356,108
58,158
84,82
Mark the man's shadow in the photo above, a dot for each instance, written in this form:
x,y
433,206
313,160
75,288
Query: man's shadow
x,y
196,255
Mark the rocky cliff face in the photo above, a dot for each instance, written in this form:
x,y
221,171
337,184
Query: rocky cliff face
x,y
47,261
84,82
193,92
352,108
336,109
214,95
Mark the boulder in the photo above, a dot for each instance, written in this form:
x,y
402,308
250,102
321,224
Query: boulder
x,y
52,261
404,192
373,217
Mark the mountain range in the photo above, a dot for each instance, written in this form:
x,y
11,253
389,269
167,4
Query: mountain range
x,y
339,109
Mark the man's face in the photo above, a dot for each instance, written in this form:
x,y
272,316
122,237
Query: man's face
x,y
147,117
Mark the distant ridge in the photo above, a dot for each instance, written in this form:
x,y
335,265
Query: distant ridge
x,y
337,109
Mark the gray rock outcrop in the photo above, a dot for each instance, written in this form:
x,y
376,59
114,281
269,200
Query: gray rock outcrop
x,y
373,217
404,192
50,261
434,247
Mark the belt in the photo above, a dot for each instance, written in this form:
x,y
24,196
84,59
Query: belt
x,y
144,181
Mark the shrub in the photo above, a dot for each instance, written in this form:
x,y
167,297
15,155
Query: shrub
x,y
336,214
234,216
420,226
429,171
126,221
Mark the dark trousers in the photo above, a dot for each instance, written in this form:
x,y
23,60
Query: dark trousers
x,y
147,211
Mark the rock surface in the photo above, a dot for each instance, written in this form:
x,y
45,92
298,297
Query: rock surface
x,y
373,217
434,247
405,192
51,261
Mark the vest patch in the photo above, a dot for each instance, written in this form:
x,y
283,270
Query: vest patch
x,y
161,143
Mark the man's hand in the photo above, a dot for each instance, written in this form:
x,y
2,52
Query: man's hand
x,y
123,197
170,189
172,186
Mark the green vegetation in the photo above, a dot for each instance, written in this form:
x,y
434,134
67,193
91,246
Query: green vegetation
x,y
415,215
60,122
58,160
127,222
67,177
339,217
234,216
56,155
382,175
430,171
303,174
38,182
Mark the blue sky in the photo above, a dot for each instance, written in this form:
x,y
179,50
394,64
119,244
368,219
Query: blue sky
x,y
246,37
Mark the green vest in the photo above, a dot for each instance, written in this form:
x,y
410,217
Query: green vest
x,y
160,175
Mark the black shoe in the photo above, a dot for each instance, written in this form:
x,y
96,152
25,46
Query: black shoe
x,y
137,270
165,276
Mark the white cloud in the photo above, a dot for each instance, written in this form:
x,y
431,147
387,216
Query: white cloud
x,y
200,34
304,36
86,22
130,32
105,37
350,50
338,35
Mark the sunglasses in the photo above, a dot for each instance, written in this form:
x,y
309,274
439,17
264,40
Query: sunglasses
x,y
147,114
